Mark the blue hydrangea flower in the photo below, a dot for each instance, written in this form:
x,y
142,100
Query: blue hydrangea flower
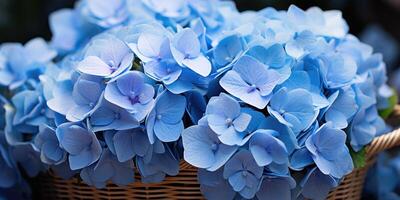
x,y
20,63
70,30
203,149
153,48
293,108
128,143
267,149
106,56
81,144
189,81
274,57
337,70
243,174
273,187
108,168
284,133
47,144
29,110
62,99
86,94
228,50
381,181
226,118
316,179
165,119
176,10
309,80
302,44
152,45
213,185
129,91
23,117
329,151
300,158
166,71
186,50
25,156
366,125
215,15
250,81
152,171
343,107
366,116
9,176
105,14
328,23
107,116
222,67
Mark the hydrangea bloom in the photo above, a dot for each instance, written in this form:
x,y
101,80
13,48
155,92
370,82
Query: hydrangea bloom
x,y
306,87
129,91
288,109
47,143
106,57
21,63
266,149
165,120
226,119
186,50
83,151
203,149
243,174
252,99
105,13
329,151
108,168
251,81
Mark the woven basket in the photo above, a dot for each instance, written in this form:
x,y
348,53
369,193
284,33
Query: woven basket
x,y
185,186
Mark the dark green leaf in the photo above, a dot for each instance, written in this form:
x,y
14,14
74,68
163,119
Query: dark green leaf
x,y
359,158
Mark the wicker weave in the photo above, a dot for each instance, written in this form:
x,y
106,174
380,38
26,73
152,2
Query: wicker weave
x,y
185,186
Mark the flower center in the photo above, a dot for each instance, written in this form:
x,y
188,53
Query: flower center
x,y
252,88
244,173
117,116
159,116
228,122
134,99
214,147
112,65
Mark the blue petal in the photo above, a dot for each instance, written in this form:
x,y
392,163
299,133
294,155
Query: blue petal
x,y
168,132
235,85
201,65
276,188
266,149
315,179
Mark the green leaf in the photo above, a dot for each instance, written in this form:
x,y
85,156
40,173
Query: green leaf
x,y
359,158
385,113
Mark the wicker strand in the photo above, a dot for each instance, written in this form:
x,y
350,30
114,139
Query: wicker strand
x,y
185,185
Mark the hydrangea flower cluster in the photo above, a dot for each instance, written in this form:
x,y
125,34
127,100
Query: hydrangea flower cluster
x,y
381,181
266,104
